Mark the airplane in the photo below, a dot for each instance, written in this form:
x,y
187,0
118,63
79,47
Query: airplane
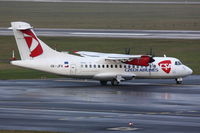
x,y
105,67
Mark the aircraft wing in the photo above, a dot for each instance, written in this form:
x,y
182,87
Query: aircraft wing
x,y
108,56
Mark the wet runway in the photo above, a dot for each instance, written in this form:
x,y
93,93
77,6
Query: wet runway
x,y
112,33
83,106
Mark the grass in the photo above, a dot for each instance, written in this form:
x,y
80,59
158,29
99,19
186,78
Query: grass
x,y
109,16
186,50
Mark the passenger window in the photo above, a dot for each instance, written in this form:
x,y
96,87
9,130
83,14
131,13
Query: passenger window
x,y
111,66
99,66
115,66
94,66
120,66
107,66
86,66
90,66
103,66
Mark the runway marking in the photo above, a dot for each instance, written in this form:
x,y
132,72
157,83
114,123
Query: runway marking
x,y
122,129
80,118
71,80
165,113
193,111
106,111
110,34
138,83
151,113
115,33
93,117
64,119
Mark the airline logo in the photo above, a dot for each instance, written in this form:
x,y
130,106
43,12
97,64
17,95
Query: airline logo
x,y
165,65
33,43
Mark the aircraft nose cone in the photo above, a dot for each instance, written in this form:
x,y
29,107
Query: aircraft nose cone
x,y
190,71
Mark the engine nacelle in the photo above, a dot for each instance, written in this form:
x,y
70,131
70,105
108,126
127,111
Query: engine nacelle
x,y
142,61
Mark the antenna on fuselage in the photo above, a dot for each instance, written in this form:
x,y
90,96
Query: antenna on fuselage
x,y
13,55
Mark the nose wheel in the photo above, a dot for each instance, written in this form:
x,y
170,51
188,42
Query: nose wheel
x,y
179,80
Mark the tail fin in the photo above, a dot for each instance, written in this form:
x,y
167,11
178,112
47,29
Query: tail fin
x,y
29,45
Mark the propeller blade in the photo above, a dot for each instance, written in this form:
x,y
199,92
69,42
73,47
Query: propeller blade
x,y
127,51
151,51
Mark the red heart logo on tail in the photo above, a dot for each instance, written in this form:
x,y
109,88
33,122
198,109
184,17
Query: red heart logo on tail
x,y
33,43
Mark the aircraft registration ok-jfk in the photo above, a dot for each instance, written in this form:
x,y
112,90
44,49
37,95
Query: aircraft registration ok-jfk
x,y
104,67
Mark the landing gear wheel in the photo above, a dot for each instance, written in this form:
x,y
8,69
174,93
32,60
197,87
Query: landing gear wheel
x,y
114,82
102,82
179,80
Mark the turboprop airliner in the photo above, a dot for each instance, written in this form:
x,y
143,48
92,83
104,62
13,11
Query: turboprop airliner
x,y
105,67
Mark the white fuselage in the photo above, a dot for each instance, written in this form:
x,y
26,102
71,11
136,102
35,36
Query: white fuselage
x,y
98,68
35,54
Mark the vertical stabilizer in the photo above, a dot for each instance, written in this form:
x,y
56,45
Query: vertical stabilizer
x,y
29,45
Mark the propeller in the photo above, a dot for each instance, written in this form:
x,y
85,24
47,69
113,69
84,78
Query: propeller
x,y
127,51
152,54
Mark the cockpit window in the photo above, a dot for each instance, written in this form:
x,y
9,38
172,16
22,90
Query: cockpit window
x,y
178,63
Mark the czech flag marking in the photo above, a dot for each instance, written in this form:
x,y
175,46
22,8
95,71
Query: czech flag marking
x,y
66,64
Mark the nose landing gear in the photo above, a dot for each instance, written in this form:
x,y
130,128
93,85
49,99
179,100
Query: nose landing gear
x,y
179,80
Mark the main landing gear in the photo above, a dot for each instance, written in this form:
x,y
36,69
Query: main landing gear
x,y
179,80
103,82
114,82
